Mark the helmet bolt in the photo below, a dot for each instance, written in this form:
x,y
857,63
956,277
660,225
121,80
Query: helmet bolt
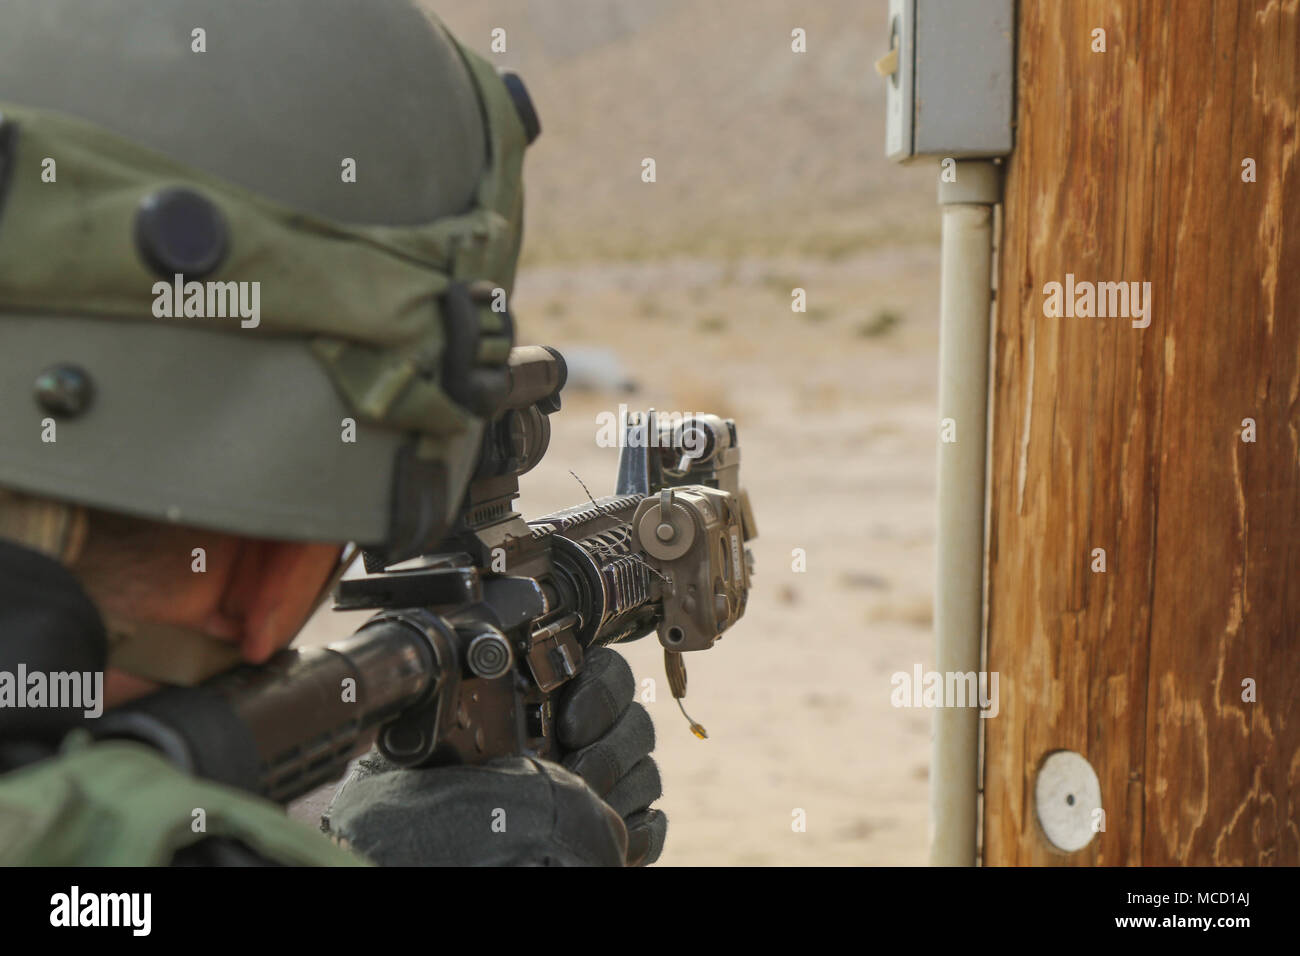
x,y
64,390
180,232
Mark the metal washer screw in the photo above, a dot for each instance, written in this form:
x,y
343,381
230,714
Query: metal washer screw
x,y
64,390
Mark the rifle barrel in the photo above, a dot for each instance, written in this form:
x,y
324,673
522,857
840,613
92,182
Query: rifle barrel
x,y
283,728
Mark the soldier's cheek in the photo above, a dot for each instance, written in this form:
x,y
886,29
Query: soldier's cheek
x,y
293,577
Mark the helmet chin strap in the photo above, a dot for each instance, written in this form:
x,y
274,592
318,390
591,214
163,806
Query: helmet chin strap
x,y
166,653
54,528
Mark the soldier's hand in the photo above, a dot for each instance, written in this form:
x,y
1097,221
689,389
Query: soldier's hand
x,y
606,737
513,811
517,810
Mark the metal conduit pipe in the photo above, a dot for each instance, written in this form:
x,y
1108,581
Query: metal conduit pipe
x,y
965,296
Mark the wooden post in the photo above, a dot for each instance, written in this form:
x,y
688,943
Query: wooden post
x,y
1173,449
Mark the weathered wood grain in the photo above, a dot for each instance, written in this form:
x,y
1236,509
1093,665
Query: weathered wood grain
x,y
1128,168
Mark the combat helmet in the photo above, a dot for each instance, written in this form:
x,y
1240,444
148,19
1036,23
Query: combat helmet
x,y
255,262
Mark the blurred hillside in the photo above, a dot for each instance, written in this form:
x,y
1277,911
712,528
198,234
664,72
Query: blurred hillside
x,y
758,149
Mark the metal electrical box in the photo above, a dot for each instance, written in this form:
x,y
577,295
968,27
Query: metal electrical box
x,y
949,73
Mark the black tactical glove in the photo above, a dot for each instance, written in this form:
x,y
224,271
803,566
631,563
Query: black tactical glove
x,y
517,810
514,811
606,738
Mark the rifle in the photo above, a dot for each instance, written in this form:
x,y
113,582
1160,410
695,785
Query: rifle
x,y
470,646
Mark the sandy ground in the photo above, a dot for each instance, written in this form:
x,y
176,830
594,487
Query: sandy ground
x,y
771,177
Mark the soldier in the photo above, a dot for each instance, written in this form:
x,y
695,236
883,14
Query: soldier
x,y
244,249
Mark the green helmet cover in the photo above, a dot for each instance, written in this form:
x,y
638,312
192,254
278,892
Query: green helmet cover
x,y
214,420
